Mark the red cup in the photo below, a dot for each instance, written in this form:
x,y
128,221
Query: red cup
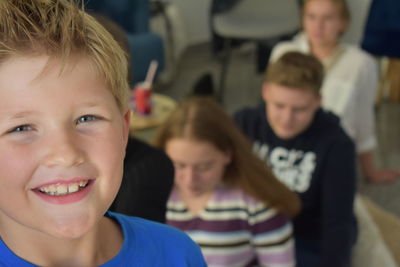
x,y
142,100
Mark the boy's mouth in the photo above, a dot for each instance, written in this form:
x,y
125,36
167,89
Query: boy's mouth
x,y
63,189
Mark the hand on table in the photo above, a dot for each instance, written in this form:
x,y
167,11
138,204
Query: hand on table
x,y
380,176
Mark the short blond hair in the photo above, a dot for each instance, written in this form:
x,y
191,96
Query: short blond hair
x,y
296,70
60,29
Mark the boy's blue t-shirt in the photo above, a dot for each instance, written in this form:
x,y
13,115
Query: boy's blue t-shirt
x,y
146,243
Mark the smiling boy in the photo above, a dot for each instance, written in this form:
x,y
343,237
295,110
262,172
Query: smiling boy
x,y
63,130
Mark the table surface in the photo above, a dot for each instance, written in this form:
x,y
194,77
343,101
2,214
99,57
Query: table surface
x,y
162,106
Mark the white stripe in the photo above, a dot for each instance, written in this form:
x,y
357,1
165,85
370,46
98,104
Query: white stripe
x,y
219,237
262,216
176,205
227,251
177,216
221,205
274,236
209,216
276,249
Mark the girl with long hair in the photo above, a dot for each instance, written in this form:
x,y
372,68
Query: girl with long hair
x,y
225,197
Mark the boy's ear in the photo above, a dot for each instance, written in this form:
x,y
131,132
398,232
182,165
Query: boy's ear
x,y
126,124
319,99
264,90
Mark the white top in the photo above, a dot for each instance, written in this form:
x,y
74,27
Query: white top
x,y
349,88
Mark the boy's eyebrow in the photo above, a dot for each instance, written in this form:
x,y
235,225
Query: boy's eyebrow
x,y
26,113
90,104
22,114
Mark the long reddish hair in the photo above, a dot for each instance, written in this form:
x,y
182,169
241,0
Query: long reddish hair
x,y
202,119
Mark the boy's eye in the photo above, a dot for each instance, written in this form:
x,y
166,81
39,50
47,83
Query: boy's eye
x,y
86,118
21,128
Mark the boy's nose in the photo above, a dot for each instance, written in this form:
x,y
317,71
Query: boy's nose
x,y
63,151
287,116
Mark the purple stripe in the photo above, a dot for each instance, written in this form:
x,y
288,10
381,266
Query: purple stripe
x,y
225,258
222,195
210,226
282,257
276,222
286,256
272,224
233,195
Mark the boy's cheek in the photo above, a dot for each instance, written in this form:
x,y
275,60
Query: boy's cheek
x,y
15,171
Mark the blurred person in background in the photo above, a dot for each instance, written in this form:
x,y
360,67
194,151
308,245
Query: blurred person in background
x,y
225,198
351,77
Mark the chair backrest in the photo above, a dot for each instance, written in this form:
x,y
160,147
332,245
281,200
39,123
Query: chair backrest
x,y
258,19
262,8
382,31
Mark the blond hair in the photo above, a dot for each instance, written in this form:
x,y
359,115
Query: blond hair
x,y
60,29
296,70
202,119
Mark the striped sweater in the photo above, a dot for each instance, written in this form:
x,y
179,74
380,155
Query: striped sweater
x,y
235,229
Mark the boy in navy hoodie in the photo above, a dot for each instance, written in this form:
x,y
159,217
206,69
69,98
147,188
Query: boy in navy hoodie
x,y
309,152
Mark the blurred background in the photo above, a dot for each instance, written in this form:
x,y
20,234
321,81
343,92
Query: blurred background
x,y
185,26
213,47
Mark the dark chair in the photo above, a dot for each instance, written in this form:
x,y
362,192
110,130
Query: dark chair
x,y
147,182
382,38
133,16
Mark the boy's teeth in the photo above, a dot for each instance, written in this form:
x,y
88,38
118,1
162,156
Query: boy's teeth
x,y
62,189
59,190
73,188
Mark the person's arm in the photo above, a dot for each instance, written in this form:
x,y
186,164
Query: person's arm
x,y
367,83
374,174
337,197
